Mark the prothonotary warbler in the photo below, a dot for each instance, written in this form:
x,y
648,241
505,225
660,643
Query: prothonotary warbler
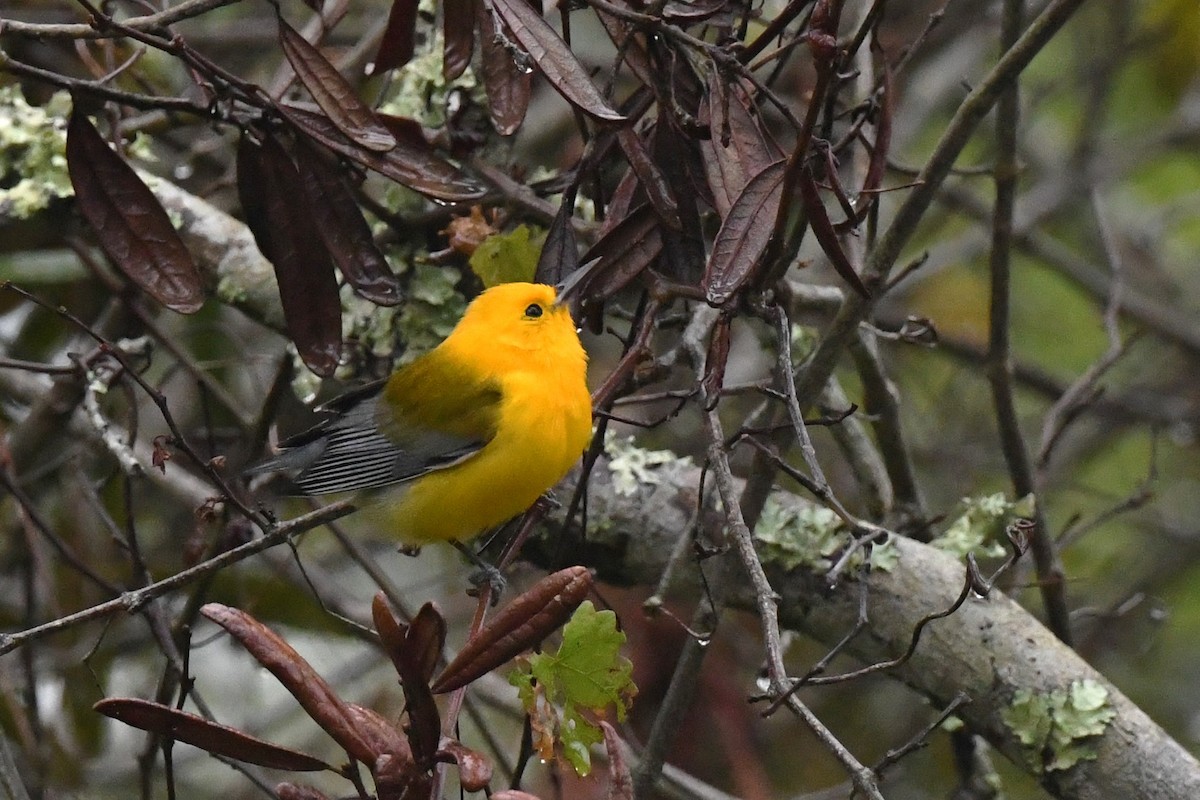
x,y
467,436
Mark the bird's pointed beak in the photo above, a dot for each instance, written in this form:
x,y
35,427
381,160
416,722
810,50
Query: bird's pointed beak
x,y
574,283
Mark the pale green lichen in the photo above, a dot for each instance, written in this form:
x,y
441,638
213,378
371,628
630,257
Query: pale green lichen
x,y
429,313
980,527
33,161
434,306
420,90
793,535
1058,729
33,157
633,467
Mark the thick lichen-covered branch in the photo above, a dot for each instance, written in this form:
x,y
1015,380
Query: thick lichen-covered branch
x,y
1009,665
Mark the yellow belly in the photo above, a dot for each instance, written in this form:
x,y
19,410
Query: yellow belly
x,y
537,443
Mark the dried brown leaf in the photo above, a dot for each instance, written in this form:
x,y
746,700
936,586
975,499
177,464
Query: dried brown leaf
x,y
397,780
654,183
345,232
278,214
396,44
130,224
414,650
738,247
333,93
822,228
625,252
522,624
411,163
554,58
474,771
315,696
620,782
737,148
632,45
717,359
458,35
380,734
560,251
213,737
621,202
426,638
508,87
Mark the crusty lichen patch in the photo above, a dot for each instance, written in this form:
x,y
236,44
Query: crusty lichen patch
x,y
979,529
632,467
804,535
33,160
1059,729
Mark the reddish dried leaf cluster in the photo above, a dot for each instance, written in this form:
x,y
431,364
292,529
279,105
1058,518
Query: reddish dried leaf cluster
x,y
522,624
707,203
401,759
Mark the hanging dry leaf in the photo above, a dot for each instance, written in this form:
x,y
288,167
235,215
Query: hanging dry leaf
x,y
396,44
279,216
345,232
738,247
210,736
411,163
333,93
458,36
315,696
553,58
130,224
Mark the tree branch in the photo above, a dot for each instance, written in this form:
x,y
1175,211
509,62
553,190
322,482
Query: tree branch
x,y
989,648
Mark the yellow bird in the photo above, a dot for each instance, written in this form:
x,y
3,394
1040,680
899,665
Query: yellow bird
x,y
467,436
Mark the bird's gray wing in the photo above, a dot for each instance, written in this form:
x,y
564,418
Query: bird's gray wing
x,y
348,452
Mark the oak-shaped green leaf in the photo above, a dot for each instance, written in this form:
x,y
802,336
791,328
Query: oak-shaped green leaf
x,y
562,691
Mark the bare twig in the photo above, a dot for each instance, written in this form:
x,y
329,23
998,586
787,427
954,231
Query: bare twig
x,y
1085,388
1012,441
82,30
882,258
131,601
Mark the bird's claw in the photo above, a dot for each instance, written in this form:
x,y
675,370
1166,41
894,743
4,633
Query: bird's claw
x,y
484,573
549,501
488,575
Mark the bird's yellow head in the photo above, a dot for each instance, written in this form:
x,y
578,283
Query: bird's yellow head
x,y
522,320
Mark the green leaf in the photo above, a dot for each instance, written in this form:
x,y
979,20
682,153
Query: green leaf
x,y
508,257
563,691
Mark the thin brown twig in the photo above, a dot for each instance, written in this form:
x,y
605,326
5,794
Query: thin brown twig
x,y
83,30
766,602
883,257
999,366
1085,388
132,600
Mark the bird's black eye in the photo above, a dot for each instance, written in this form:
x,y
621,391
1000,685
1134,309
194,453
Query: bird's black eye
x,y
533,310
